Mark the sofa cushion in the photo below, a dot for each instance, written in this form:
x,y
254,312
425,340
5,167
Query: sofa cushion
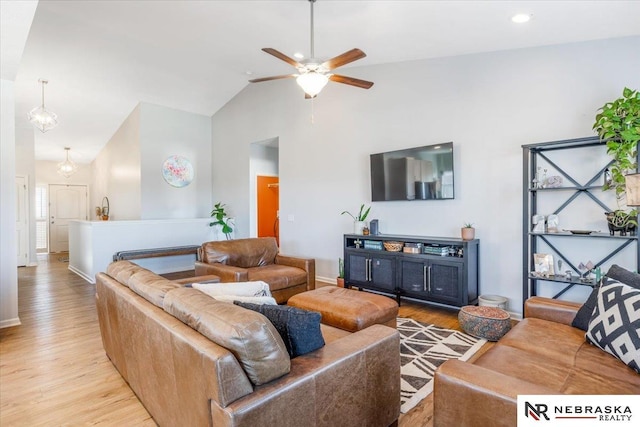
x,y
299,329
245,253
539,337
278,276
581,321
248,335
615,324
145,283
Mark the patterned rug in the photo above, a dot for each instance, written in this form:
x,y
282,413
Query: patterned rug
x,y
423,348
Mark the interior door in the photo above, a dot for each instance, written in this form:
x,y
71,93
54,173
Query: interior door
x,y
67,203
267,189
22,229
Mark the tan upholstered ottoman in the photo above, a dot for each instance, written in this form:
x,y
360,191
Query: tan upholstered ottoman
x,y
348,309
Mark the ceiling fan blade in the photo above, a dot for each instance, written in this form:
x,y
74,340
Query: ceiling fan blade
x,y
350,81
264,79
282,56
345,58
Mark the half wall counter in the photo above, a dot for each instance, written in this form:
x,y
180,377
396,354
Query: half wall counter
x,y
92,244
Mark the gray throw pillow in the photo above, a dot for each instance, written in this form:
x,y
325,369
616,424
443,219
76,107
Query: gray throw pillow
x,y
299,329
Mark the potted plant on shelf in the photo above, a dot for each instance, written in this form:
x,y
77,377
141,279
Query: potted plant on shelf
x,y
221,219
468,232
340,279
359,220
618,122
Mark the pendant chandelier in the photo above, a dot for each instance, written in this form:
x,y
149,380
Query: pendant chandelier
x,y
42,118
68,167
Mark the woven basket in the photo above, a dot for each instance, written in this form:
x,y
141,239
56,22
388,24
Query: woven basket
x,y
393,246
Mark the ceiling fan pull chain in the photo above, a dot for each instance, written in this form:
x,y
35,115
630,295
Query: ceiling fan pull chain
x,y
312,111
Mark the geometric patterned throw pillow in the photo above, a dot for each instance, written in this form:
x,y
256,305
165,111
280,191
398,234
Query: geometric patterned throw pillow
x,y
615,323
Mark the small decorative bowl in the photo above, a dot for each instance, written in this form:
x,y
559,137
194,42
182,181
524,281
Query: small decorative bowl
x,y
393,246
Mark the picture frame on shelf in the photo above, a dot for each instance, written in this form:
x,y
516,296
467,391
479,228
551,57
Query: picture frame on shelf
x,y
543,265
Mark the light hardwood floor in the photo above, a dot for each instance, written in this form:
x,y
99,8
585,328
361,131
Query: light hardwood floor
x,y
53,369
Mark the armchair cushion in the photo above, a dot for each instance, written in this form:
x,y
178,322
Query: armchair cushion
x,y
278,276
615,323
244,253
299,329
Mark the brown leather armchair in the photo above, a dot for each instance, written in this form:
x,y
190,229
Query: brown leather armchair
x,y
242,260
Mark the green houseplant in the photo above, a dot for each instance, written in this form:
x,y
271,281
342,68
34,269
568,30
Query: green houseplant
x,y
359,220
618,123
221,219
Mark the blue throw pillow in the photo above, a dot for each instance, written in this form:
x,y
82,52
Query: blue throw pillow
x,y
299,329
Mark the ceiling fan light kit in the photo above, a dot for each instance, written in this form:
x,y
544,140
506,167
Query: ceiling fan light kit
x,y
40,117
313,75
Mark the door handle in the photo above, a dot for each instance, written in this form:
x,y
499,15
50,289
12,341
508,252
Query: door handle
x,y
429,277
370,270
424,278
366,270
53,222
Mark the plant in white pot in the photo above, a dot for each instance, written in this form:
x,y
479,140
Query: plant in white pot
x,y
340,280
222,220
468,232
359,220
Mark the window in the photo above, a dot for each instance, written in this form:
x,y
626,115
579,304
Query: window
x,y
42,206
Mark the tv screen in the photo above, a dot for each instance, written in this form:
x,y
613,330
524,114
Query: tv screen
x,y
420,173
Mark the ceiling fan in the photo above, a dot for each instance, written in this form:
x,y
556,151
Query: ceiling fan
x,y
312,74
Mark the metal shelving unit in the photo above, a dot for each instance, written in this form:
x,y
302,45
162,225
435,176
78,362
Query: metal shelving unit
x,y
531,155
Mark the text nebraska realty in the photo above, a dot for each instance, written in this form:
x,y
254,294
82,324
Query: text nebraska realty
x,y
601,413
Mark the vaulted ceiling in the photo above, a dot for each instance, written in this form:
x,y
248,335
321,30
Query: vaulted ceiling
x,y
103,57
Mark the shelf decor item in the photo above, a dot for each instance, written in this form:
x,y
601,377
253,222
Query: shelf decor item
x,y
468,232
543,264
359,220
393,246
622,222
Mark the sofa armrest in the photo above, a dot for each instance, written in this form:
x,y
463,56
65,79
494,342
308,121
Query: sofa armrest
x,y
551,309
306,264
469,395
226,273
354,380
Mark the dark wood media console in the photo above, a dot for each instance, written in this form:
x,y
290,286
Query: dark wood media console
x,y
438,269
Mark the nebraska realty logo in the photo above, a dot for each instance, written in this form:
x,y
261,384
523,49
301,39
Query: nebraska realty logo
x,y
578,410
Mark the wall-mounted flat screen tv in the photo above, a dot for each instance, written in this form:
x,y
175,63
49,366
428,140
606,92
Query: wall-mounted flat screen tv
x,y
420,173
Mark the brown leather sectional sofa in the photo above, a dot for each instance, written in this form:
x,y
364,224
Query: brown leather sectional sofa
x,y
242,260
542,354
185,379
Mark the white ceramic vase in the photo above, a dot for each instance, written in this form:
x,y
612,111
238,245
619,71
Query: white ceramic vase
x,y
358,226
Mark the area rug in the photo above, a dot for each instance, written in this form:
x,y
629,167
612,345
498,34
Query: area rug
x,y
423,348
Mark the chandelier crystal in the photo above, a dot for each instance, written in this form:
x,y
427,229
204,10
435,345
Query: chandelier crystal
x,y
42,118
68,167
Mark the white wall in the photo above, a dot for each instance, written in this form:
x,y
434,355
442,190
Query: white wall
x,y
116,171
487,104
165,132
8,259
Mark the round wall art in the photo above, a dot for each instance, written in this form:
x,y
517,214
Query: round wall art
x,y
177,171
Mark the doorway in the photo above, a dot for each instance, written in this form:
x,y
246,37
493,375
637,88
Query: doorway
x,y
66,203
267,188
264,194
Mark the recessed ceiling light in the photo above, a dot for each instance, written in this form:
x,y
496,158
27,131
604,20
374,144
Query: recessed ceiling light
x,y
298,55
521,18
